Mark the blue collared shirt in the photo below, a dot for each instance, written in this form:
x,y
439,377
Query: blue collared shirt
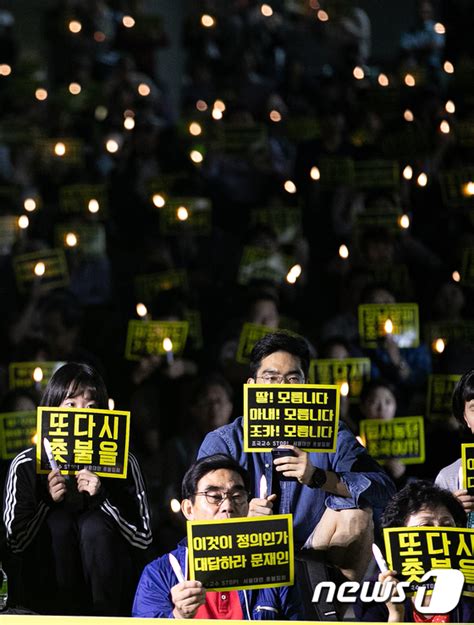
x,y
367,482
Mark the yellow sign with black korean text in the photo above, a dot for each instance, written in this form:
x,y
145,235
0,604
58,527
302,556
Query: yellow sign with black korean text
x,y
354,371
35,375
377,321
440,393
454,183
83,199
303,415
61,149
377,174
145,338
192,215
149,285
286,222
17,430
249,335
90,238
413,551
402,438
258,263
467,463
450,331
88,438
47,267
8,233
248,552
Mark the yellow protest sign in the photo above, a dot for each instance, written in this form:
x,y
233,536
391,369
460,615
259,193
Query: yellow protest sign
x,y
17,430
286,222
192,215
89,238
249,335
376,321
88,438
46,267
149,285
304,415
353,371
377,174
145,338
248,552
402,438
455,187
34,375
450,332
336,171
413,551
83,199
467,463
69,150
260,264
440,393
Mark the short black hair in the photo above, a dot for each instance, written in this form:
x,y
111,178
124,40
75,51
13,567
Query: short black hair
x,y
75,377
280,342
463,392
417,495
206,465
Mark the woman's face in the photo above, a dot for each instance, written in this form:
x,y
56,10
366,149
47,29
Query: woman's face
x,y
469,414
439,516
83,398
380,404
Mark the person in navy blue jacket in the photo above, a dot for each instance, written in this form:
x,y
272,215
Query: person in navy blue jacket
x,y
215,487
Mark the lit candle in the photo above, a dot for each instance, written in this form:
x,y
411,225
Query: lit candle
x,y
388,326
168,347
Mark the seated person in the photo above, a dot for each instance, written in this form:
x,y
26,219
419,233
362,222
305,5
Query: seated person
x,y
418,504
216,487
333,496
463,410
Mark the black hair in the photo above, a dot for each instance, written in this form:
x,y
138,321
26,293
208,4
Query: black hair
x,y
202,384
370,386
206,465
417,495
280,342
74,378
463,392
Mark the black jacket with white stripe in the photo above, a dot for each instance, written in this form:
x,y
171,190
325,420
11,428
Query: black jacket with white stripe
x,y
27,502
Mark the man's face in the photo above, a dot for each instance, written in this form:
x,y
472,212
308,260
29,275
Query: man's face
x,y
279,368
213,484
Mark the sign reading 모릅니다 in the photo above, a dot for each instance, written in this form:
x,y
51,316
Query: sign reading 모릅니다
x,y
467,463
87,438
304,415
247,552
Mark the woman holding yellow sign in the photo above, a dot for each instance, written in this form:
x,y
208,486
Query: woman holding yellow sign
x,y
74,541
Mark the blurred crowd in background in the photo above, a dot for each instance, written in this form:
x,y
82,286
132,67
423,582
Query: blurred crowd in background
x,y
301,178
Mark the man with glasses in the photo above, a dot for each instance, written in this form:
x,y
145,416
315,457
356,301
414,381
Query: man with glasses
x,y
333,496
215,487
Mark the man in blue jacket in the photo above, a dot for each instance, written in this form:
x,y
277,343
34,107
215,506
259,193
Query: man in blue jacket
x,y
333,497
215,487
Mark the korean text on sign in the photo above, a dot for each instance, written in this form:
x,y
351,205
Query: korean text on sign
x,y
412,551
17,430
145,338
400,321
304,415
84,438
467,462
402,438
440,392
353,371
250,334
242,553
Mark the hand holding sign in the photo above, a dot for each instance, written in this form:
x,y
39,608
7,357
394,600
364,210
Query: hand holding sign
x,y
88,482
297,465
187,597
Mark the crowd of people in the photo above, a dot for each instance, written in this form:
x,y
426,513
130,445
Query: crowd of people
x,y
302,174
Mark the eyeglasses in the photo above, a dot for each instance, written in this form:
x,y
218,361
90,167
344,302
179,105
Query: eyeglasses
x,y
216,497
278,378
